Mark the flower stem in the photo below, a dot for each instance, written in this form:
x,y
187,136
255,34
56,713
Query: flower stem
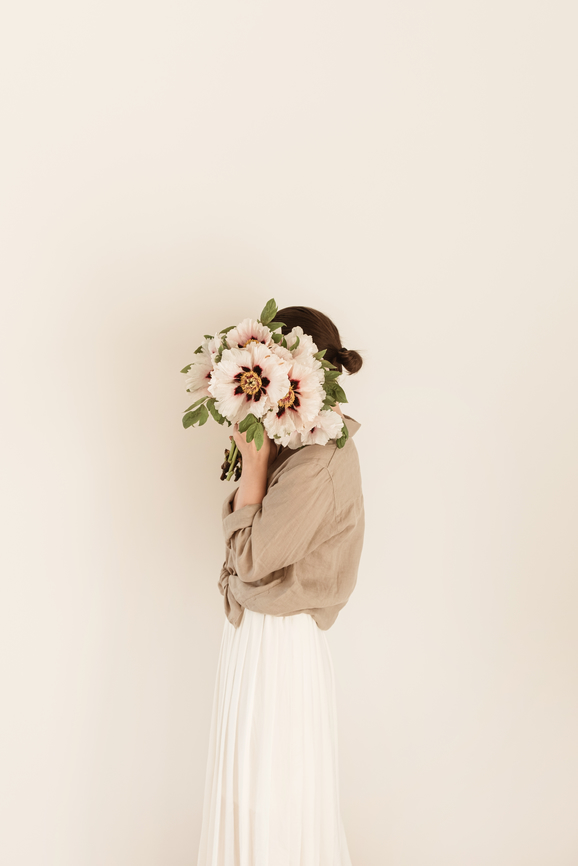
x,y
232,458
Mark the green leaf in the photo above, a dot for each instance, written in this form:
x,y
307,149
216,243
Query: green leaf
x,y
294,346
328,364
220,419
320,354
274,325
186,369
247,422
340,394
199,414
278,338
208,336
198,351
196,403
221,349
329,402
269,312
254,429
226,330
331,374
259,433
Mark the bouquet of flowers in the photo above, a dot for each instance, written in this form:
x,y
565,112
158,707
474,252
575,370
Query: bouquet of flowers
x,y
268,383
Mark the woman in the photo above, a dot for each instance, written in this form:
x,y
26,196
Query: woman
x,y
294,534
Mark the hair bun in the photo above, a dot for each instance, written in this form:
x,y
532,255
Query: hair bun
x,y
350,359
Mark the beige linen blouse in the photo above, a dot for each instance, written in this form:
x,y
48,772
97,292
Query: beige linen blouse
x,y
298,550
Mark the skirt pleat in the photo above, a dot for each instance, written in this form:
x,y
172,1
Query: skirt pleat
x,y
272,788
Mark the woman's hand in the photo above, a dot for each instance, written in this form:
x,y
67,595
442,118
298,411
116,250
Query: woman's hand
x,y
253,484
249,453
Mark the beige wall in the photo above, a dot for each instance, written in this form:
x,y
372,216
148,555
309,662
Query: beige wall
x,y
410,168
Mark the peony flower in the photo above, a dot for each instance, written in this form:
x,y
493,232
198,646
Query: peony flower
x,y
327,425
306,345
211,346
304,353
249,331
199,375
299,405
249,380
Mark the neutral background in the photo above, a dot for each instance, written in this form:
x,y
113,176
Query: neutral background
x,y
410,169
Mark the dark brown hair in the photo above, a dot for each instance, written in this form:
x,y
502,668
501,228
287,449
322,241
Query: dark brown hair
x,y
324,334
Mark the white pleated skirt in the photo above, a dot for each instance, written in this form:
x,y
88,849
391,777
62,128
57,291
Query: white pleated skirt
x,y
271,789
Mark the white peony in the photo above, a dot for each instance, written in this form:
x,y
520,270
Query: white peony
x,y
249,380
199,376
298,406
249,331
328,424
306,345
211,345
304,353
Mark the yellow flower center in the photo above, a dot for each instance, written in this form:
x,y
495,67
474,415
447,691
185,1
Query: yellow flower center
x,y
288,399
250,340
250,382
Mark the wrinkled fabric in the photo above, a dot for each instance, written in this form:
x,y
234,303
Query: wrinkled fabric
x,y
297,551
271,793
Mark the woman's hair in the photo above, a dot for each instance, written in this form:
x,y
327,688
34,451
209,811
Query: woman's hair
x,y
323,333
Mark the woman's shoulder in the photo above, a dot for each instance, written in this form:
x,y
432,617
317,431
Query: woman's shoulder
x,y
342,464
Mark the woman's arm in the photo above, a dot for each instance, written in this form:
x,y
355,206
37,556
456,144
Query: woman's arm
x,y
253,484
296,515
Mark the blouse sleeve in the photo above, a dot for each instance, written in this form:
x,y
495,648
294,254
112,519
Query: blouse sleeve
x,y
297,514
